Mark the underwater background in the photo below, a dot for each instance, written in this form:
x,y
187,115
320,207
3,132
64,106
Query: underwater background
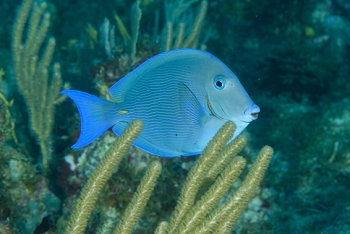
x,y
292,57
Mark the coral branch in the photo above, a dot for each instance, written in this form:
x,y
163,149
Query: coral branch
x,y
40,93
98,179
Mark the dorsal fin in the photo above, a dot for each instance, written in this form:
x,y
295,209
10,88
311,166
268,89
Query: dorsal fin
x,y
119,90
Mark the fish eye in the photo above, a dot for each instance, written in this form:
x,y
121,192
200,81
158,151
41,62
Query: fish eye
x,y
219,82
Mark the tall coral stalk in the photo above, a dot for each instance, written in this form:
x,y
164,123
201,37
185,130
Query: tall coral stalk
x,y
40,93
98,179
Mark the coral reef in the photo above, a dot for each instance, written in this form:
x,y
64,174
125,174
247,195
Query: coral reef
x,y
25,195
198,198
292,57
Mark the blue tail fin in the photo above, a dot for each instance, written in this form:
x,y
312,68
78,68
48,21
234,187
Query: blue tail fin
x,y
96,115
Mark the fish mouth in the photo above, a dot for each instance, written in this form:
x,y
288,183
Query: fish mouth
x,y
255,115
252,112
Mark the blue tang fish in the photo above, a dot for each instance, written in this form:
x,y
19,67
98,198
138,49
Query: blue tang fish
x,y
182,96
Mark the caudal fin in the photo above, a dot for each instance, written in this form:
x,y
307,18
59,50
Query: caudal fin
x,y
96,115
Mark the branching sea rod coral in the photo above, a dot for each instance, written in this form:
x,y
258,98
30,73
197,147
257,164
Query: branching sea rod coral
x,y
207,183
102,173
174,11
40,93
